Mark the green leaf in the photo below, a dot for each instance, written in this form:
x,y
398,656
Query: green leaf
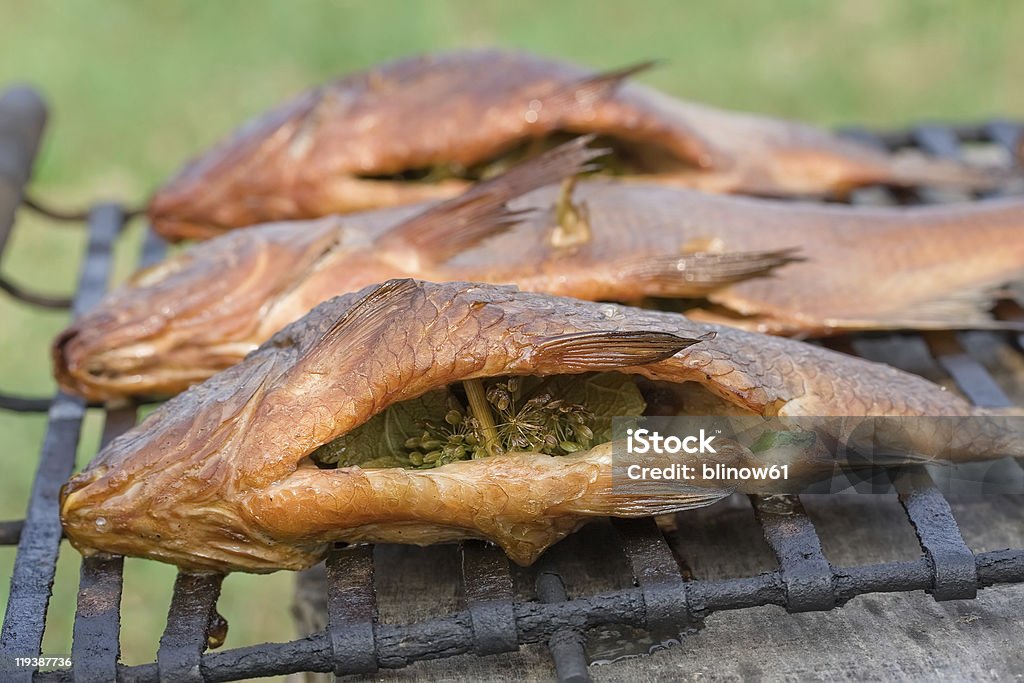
x,y
381,439
779,439
604,394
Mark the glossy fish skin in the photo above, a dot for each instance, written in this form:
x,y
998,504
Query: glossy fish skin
x,y
862,268
217,478
329,150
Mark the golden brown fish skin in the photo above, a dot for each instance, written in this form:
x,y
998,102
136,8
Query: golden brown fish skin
x,y
165,341
176,315
324,151
217,478
863,268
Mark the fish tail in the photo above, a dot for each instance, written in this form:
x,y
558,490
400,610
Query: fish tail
x,y
918,171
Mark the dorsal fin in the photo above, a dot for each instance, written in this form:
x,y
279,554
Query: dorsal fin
x,y
612,349
451,227
593,88
363,318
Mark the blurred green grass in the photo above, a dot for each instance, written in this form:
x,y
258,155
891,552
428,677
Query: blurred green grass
x,y
135,87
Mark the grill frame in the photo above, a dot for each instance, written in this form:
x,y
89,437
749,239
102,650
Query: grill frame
x,y
491,621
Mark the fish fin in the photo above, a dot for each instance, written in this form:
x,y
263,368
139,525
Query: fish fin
x,y
916,171
698,273
448,228
600,85
608,350
839,324
967,309
363,319
644,498
1007,411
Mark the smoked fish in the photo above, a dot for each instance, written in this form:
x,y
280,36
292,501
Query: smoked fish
x,y
423,128
224,476
785,268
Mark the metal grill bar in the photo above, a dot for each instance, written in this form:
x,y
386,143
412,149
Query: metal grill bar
x,y
153,249
95,647
805,572
400,645
656,573
352,610
952,562
189,618
566,643
33,298
965,133
22,120
970,376
1009,136
21,404
10,532
937,140
487,582
39,544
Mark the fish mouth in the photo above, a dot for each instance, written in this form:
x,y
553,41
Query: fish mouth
x,y
88,520
101,513
201,200
176,227
96,368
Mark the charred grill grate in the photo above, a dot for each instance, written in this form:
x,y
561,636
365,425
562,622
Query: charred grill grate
x,y
491,620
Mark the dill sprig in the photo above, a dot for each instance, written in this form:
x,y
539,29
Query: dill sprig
x,y
527,414
537,423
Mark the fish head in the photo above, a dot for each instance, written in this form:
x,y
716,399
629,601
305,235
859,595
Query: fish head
x,y
181,321
237,182
166,490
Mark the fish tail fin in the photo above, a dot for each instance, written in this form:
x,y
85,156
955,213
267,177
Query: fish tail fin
x,y
448,228
923,171
969,308
698,273
1005,411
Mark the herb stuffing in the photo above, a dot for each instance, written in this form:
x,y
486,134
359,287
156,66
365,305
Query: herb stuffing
x,y
554,415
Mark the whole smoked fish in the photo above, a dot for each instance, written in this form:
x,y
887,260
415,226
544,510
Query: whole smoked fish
x,y
778,267
225,476
423,128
